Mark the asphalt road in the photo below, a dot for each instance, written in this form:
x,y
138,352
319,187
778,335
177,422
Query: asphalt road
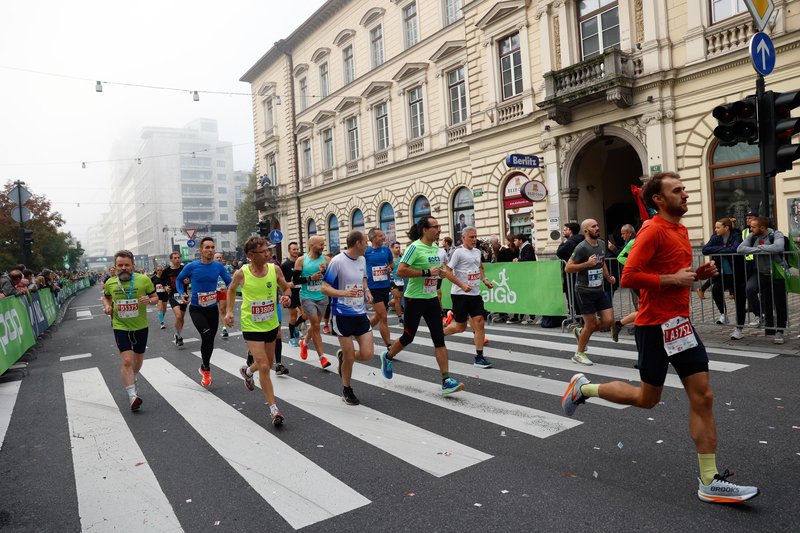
x,y
499,457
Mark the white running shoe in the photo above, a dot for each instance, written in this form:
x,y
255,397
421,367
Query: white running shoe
x,y
720,490
581,359
737,334
723,319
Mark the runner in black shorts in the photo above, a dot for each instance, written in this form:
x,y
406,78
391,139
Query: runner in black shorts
x,y
380,263
295,309
168,277
161,292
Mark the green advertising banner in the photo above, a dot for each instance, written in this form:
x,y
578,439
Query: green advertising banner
x,y
16,333
48,305
531,288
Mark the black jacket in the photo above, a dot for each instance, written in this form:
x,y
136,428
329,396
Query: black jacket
x,y
526,252
566,248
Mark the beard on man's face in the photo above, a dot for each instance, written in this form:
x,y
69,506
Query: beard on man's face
x,y
124,276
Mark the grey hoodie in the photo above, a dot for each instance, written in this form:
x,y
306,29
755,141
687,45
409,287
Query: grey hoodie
x,y
752,244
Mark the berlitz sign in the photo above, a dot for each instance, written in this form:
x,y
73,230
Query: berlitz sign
x,y
522,161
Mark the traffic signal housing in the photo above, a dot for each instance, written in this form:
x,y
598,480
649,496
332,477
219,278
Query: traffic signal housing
x,y
27,236
263,228
782,127
738,122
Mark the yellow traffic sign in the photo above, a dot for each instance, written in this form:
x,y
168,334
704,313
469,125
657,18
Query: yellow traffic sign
x,y
761,11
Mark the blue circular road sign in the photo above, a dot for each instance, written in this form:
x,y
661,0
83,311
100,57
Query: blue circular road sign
x,y
762,53
275,236
190,243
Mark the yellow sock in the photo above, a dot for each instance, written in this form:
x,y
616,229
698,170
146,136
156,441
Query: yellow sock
x,y
708,467
592,390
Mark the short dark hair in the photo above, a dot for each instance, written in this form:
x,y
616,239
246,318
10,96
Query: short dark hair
x,y
253,243
354,237
762,221
655,185
123,253
175,253
204,239
574,227
521,237
291,243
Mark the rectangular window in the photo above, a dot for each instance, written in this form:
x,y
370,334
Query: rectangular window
x,y
222,190
381,127
220,163
458,95
222,177
376,43
269,114
272,169
327,148
349,65
599,23
352,138
510,66
223,217
223,203
305,149
416,113
226,245
303,84
324,85
410,25
452,11
723,9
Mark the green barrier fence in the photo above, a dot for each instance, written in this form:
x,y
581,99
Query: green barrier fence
x,y
16,332
531,288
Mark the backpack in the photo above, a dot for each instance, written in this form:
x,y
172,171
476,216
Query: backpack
x,y
791,252
552,321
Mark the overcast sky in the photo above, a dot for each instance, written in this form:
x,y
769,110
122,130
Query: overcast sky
x,y
49,125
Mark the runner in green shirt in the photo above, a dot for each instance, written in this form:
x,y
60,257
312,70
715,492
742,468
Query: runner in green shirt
x,y
422,266
125,299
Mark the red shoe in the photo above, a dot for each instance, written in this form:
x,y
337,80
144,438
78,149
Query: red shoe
x,y
303,349
277,418
205,381
324,362
448,319
485,341
326,330
136,403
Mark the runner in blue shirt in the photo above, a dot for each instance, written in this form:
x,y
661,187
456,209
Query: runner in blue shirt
x,y
203,274
380,263
345,282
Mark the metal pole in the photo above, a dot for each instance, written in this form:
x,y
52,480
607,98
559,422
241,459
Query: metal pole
x,y
23,255
765,188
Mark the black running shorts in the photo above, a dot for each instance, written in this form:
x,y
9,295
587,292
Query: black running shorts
x,y
131,340
654,361
350,326
465,306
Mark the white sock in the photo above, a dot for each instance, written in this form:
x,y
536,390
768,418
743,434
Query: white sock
x,y
249,372
179,333
131,390
273,409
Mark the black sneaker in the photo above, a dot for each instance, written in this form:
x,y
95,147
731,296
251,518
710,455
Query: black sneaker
x,y
178,340
224,333
348,397
340,357
280,370
136,403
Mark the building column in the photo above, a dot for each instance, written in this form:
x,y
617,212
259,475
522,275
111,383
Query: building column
x,y
696,16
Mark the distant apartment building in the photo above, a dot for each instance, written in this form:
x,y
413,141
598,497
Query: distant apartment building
x,y
180,184
378,112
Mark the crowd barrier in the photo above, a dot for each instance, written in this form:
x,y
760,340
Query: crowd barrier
x,y
24,318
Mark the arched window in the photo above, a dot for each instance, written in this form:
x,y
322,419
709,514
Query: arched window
x,y
463,213
387,222
358,221
736,183
422,208
333,234
312,228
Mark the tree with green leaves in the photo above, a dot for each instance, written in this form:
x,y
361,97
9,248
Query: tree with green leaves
x,y
246,213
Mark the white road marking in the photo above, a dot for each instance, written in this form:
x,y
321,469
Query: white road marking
x,y
78,356
80,313
302,492
8,398
116,488
409,443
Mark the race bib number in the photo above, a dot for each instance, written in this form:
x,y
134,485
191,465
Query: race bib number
x,y
206,299
429,285
262,310
399,282
314,285
380,273
678,335
159,288
596,277
221,285
473,277
127,308
358,299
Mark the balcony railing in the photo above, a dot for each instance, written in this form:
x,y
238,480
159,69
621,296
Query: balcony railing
x,y
265,198
508,111
609,76
352,167
455,133
327,175
381,158
729,37
415,147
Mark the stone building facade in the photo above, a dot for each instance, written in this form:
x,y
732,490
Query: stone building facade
x,y
374,113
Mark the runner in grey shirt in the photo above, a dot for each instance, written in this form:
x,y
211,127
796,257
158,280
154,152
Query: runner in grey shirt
x,y
587,262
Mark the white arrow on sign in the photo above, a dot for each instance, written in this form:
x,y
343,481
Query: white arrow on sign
x,y
763,49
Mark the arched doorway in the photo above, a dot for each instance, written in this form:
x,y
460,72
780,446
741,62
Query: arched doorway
x,y
601,174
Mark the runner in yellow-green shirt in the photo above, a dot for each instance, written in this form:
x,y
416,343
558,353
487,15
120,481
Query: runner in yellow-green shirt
x,y
125,299
259,281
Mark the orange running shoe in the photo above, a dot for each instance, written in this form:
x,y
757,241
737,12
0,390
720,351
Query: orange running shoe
x,y
449,318
205,381
324,362
485,341
303,349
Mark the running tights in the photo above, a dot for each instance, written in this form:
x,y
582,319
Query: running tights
x,y
206,320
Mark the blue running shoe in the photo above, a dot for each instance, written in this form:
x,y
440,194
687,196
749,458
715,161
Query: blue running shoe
x,y
450,385
293,342
386,365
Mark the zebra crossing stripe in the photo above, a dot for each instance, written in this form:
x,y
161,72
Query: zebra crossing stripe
x,y
298,489
116,488
627,342
520,418
529,382
8,398
414,445
610,371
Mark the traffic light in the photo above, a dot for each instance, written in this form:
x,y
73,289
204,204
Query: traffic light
x,y
27,236
779,128
737,122
263,228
